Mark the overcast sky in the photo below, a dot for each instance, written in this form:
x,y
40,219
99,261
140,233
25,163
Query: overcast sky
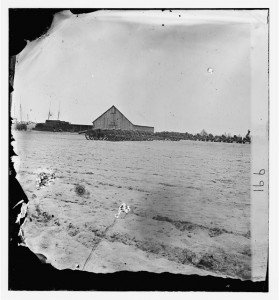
x,y
193,73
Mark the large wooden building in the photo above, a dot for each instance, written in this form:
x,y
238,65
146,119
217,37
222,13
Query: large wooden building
x,y
114,119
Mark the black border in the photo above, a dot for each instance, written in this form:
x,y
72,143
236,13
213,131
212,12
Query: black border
x,y
26,272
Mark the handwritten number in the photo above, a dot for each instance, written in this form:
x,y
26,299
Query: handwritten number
x,y
261,172
261,182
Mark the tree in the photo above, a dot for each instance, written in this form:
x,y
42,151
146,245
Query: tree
x,y
203,133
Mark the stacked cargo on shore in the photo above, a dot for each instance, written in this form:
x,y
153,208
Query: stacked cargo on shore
x,y
118,135
60,126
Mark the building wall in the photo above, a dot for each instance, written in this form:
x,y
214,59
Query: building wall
x,y
143,128
80,127
113,119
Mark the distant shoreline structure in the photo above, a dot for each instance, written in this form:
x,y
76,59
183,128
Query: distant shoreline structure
x,y
122,134
114,125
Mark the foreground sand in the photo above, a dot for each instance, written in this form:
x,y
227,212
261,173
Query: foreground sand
x,y
190,204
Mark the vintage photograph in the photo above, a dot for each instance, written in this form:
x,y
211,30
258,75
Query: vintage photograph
x,y
141,142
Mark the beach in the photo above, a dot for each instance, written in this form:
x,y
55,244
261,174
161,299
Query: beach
x,y
189,200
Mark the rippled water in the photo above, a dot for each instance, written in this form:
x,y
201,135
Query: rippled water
x,y
202,186
209,182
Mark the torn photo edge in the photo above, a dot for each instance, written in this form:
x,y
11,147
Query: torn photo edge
x,y
259,172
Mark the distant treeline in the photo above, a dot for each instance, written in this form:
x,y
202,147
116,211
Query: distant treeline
x,y
204,136
134,135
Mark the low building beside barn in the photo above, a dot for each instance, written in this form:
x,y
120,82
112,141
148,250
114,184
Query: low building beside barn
x,y
114,119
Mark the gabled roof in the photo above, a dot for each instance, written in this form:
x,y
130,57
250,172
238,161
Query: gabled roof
x,y
142,121
110,109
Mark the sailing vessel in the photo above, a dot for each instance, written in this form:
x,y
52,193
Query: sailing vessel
x,y
20,125
53,125
58,125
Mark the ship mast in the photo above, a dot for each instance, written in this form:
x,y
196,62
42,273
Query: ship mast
x,y
20,114
58,112
49,110
20,109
